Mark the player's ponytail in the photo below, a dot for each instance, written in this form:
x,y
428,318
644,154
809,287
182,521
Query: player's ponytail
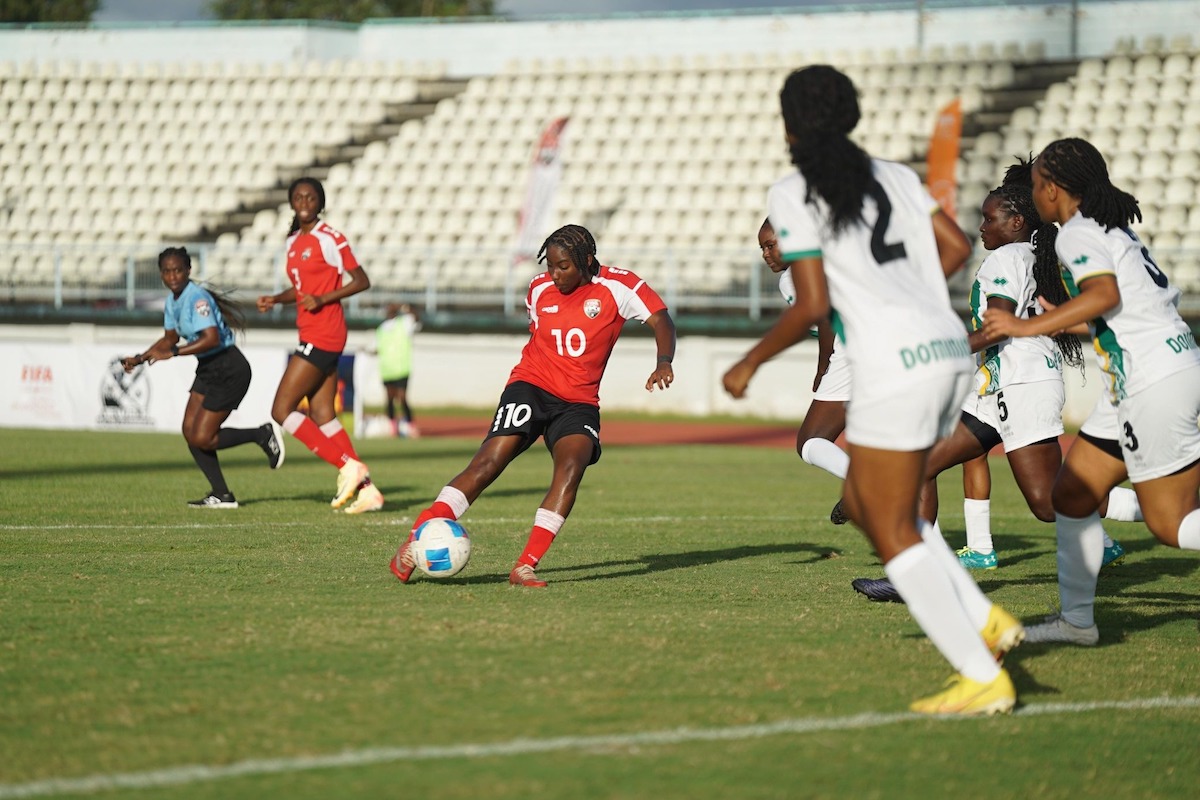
x,y
1077,166
1016,195
820,109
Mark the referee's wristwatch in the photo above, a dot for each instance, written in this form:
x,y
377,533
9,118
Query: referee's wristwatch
x,y
175,349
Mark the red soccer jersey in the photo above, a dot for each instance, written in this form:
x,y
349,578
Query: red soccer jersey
x,y
316,262
572,335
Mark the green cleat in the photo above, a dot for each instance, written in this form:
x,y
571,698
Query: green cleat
x,y
973,559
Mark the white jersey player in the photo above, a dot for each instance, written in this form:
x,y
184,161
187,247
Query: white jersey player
x,y
1019,393
826,417
1152,370
864,237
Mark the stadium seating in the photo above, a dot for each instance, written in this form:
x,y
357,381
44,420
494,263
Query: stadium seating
x,y
1141,108
666,158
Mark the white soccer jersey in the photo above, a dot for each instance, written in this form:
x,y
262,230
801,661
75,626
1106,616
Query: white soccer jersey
x,y
891,305
1007,273
787,287
1143,339
835,384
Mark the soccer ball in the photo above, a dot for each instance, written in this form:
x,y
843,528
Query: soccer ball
x,y
442,547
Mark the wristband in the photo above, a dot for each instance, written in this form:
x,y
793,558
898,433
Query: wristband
x,y
665,359
175,349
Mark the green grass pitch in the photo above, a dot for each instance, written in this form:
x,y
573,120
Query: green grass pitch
x,y
699,639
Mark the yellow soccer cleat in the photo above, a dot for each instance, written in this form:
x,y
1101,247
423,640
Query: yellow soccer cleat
x,y
1002,632
969,698
369,499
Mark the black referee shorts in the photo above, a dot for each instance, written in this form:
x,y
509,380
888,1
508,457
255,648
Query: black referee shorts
x,y
223,379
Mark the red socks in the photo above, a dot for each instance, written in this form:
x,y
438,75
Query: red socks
x,y
323,447
438,510
539,542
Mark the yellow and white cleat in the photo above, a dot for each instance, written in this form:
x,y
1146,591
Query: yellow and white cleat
x,y
1002,632
350,477
369,499
970,698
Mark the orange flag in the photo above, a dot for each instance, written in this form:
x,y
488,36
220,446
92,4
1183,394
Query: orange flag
x,y
943,157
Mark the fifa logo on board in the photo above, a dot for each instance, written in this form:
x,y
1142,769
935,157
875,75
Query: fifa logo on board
x,y
124,396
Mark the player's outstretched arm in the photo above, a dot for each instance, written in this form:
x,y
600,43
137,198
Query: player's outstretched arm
x,y
1097,295
954,248
268,301
664,339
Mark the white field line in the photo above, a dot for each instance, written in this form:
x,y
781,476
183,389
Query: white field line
x,y
406,521
596,745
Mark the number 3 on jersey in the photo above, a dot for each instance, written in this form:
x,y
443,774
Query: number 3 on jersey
x,y
574,342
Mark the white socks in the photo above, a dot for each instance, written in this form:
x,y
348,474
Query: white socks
x,y
1123,506
973,600
1189,531
455,499
547,519
1080,553
826,455
929,593
978,516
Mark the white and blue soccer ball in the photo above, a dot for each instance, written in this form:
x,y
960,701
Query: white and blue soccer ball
x,y
442,547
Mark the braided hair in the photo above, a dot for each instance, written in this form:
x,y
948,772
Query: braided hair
x,y
820,108
231,310
1016,197
1077,166
316,187
579,244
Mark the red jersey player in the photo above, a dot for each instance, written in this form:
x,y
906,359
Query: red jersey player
x,y
318,261
576,311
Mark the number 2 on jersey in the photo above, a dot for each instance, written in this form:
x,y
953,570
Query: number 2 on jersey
x,y
881,250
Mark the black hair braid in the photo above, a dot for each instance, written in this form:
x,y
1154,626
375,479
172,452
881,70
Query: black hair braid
x,y
820,109
316,187
1077,166
1016,194
1020,174
231,310
1047,274
578,242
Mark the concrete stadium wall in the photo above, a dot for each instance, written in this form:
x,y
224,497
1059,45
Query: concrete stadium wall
x,y
483,47
471,370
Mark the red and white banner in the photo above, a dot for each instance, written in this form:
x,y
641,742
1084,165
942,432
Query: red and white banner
x,y
545,173
942,162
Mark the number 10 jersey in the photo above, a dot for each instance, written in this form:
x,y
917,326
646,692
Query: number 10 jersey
x,y
572,335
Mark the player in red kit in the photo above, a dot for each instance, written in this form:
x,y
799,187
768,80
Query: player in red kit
x,y
319,260
577,308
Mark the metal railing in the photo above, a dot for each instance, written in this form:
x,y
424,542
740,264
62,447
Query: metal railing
x,y
713,282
